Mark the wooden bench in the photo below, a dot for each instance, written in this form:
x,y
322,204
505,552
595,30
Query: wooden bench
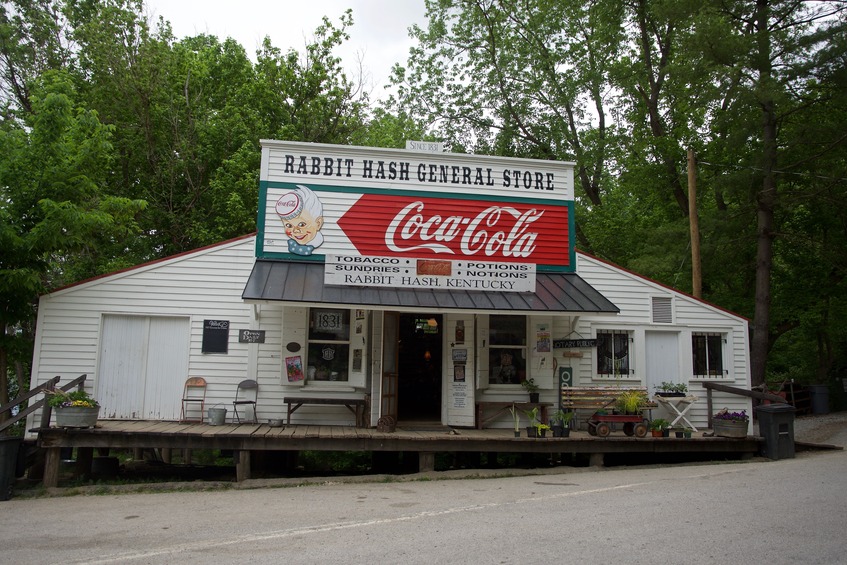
x,y
497,409
593,399
358,406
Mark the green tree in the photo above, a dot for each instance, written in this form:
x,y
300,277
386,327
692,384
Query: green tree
x,y
624,88
770,56
57,225
504,77
32,40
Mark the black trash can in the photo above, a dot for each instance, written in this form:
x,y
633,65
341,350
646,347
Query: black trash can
x,y
776,425
9,446
819,396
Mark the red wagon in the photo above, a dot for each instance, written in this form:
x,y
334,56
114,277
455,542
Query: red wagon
x,y
602,424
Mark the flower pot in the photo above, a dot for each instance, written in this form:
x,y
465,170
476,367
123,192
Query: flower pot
x,y
533,396
656,433
561,431
666,432
726,428
678,433
686,435
517,433
531,431
76,416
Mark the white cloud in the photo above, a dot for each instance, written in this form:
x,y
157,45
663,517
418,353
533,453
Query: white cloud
x,y
379,36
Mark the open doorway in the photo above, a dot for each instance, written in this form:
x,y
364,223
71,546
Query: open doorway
x,y
419,368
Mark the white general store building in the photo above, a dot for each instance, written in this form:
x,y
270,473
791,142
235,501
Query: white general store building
x,y
426,282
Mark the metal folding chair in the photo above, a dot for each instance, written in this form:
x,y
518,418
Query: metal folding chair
x,y
246,394
193,394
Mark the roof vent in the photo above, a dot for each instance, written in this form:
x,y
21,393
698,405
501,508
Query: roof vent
x,y
662,309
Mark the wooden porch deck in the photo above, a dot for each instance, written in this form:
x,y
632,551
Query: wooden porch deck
x,y
244,438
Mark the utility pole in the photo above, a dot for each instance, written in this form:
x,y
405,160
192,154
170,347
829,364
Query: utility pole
x,y
696,272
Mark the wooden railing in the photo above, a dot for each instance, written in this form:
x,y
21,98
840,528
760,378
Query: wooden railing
x,y
45,415
709,386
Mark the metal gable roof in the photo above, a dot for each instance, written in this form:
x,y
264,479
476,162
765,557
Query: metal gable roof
x,y
303,283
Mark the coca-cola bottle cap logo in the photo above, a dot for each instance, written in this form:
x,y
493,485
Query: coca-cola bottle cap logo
x,y
289,205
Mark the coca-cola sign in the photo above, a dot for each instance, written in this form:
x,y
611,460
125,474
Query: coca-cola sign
x,y
522,232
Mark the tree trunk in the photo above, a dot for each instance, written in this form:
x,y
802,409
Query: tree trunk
x,y
765,201
4,382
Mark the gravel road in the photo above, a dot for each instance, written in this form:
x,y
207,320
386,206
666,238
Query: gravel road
x,y
822,428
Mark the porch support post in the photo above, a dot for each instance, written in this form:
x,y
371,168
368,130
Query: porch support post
x,y
242,467
51,466
426,461
84,457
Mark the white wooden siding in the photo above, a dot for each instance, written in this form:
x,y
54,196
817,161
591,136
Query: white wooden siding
x,y
205,284
633,295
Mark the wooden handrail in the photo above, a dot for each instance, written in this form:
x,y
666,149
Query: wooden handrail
x,y
710,386
47,386
47,413
29,409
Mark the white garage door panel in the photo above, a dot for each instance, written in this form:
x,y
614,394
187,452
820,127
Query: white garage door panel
x,y
143,364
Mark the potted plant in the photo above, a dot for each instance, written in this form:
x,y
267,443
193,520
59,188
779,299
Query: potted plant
x,y
516,418
75,409
686,432
560,424
532,388
667,388
630,402
659,427
730,424
536,428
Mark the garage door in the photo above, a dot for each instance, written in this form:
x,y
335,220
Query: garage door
x,y
143,363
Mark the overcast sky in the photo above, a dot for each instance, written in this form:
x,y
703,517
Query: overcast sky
x,y
379,35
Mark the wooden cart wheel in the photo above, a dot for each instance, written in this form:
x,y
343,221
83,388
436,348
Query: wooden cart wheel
x,y
603,429
628,428
592,429
640,430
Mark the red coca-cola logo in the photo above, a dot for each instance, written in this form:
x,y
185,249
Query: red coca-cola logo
x,y
457,229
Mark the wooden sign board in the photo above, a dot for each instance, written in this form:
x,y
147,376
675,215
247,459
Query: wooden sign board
x,y
251,336
569,343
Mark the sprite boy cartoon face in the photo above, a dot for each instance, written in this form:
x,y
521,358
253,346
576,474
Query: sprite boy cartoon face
x,y
303,228
301,213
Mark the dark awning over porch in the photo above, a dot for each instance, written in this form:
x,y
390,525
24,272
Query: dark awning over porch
x,y
303,283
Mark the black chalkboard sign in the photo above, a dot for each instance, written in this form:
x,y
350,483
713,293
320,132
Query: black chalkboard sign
x,y
215,336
